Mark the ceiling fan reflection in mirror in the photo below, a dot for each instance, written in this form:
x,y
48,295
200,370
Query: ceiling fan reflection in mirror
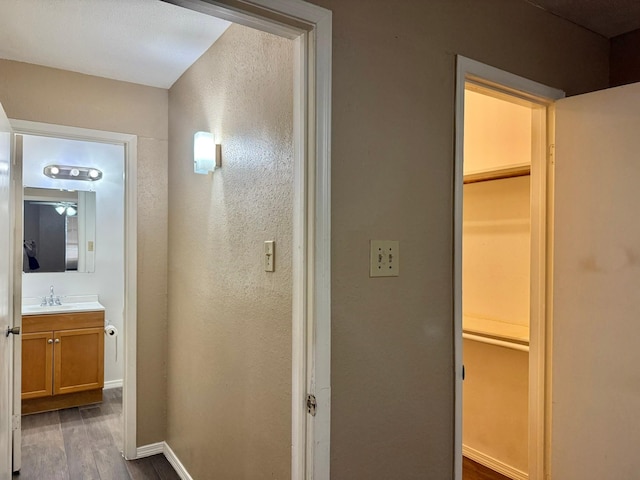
x,y
68,208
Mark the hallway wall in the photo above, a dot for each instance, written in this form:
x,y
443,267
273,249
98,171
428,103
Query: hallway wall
x,y
392,175
229,374
42,94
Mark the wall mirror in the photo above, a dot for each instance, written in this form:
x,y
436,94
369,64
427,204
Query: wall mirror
x,y
59,230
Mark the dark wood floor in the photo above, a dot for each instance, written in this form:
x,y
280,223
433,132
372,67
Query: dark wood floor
x,y
84,444
474,471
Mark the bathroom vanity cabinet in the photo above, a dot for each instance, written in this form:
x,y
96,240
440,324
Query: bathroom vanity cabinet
x,y
62,360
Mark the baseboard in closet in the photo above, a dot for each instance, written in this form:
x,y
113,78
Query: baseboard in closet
x,y
494,464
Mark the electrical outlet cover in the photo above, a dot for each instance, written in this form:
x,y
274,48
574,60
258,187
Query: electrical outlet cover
x,y
384,258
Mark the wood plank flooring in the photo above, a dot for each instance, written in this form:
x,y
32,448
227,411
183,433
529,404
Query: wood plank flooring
x,y
84,443
474,471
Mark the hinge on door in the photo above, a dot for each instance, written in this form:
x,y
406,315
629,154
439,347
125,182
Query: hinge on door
x,y
552,154
15,422
311,405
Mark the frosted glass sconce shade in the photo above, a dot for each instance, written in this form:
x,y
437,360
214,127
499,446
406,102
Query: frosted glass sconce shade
x,y
68,172
206,154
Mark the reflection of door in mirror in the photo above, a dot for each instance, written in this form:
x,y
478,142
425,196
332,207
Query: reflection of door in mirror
x,y
59,230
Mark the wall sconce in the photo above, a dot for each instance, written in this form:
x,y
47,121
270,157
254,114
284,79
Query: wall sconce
x,y
206,153
68,172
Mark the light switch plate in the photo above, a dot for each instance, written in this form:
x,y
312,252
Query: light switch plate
x,y
384,258
269,256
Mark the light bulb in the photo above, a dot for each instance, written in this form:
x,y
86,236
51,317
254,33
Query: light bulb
x,y
74,172
54,170
93,173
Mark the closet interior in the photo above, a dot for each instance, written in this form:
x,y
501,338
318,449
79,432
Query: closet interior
x,y
496,278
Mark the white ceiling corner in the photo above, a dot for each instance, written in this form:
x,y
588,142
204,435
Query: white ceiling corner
x,y
149,42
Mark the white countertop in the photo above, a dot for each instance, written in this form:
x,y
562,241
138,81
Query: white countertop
x,y
70,304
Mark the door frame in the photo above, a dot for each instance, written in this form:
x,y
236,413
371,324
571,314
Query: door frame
x,y
130,143
6,385
541,251
310,28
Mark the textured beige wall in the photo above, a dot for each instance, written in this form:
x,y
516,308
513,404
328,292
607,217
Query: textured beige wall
x,y
229,385
41,94
392,176
596,380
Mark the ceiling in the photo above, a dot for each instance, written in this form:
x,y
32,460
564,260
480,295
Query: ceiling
x,y
609,18
152,42
141,41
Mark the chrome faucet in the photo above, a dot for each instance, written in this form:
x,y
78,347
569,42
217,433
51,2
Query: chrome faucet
x,y
52,300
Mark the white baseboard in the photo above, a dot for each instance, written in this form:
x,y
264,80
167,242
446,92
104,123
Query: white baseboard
x,y
176,463
494,464
112,384
162,447
151,449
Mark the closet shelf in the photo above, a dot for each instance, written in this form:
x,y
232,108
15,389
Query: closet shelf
x,y
496,330
510,171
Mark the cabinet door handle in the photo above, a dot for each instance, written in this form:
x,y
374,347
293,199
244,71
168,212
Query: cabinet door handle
x,y
57,340
50,340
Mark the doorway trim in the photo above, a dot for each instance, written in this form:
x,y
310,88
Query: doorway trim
x,y
471,70
130,143
310,28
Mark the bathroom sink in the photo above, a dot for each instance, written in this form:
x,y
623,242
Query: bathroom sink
x,y
70,304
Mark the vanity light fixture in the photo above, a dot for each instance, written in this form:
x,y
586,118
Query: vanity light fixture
x,y
68,172
206,153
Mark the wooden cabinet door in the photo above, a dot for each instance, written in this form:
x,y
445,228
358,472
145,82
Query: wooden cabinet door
x,y
78,360
37,354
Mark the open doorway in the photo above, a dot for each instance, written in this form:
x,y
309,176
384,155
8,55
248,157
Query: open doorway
x,y
496,276
71,289
501,257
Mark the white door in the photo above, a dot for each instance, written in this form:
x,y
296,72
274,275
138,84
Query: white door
x,y
595,429
6,320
